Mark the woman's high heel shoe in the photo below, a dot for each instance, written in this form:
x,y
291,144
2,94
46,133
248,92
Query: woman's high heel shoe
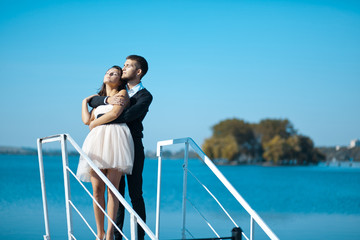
x,y
103,238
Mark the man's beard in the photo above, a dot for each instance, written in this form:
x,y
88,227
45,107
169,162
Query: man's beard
x,y
126,79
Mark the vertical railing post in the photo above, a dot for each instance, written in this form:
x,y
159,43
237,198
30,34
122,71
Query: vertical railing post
x,y
66,185
185,167
157,230
43,190
251,228
133,227
236,233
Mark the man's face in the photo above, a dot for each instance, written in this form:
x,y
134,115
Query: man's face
x,y
129,70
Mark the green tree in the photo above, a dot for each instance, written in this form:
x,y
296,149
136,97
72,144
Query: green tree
x,y
231,138
306,154
297,147
294,150
274,140
221,148
241,131
275,149
267,129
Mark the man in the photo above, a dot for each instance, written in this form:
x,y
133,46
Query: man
x,y
135,68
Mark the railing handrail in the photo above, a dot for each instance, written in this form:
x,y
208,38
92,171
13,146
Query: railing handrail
x,y
222,178
133,214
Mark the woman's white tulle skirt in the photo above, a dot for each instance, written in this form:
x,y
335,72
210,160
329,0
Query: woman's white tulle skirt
x,y
109,147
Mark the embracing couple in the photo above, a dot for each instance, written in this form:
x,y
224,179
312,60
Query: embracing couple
x,y
114,143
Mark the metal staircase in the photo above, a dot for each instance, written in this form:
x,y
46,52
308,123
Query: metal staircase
x,y
134,218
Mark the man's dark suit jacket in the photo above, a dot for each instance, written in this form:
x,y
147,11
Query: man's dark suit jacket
x,y
134,114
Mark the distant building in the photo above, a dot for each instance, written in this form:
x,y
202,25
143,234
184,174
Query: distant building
x,y
354,143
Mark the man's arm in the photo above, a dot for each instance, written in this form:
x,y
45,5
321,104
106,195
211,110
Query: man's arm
x,y
97,101
136,110
112,115
118,99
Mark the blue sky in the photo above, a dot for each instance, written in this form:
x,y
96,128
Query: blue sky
x,y
209,61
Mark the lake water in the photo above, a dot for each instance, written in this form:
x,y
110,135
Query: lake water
x,y
295,202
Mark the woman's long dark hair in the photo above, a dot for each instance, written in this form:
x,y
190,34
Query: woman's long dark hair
x,y
102,91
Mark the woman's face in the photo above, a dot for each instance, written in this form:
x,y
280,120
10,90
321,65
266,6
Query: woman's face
x,y
112,77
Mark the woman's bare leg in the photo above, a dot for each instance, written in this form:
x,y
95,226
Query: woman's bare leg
x,y
113,203
99,195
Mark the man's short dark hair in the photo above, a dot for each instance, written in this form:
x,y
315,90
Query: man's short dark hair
x,y
141,63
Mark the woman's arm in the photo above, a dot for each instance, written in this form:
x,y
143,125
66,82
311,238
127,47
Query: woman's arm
x,y
112,115
86,116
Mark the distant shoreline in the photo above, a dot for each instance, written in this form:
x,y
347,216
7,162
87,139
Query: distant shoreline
x,y
334,158
30,151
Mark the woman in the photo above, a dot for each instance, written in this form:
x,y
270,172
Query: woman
x,y
109,146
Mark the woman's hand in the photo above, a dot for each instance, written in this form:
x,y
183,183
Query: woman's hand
x,y
87,100
92,125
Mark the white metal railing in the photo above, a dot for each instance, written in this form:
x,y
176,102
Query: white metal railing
x,y
63,138
188,141
134,218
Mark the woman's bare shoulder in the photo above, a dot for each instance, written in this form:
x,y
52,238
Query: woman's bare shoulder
x,y
123,93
